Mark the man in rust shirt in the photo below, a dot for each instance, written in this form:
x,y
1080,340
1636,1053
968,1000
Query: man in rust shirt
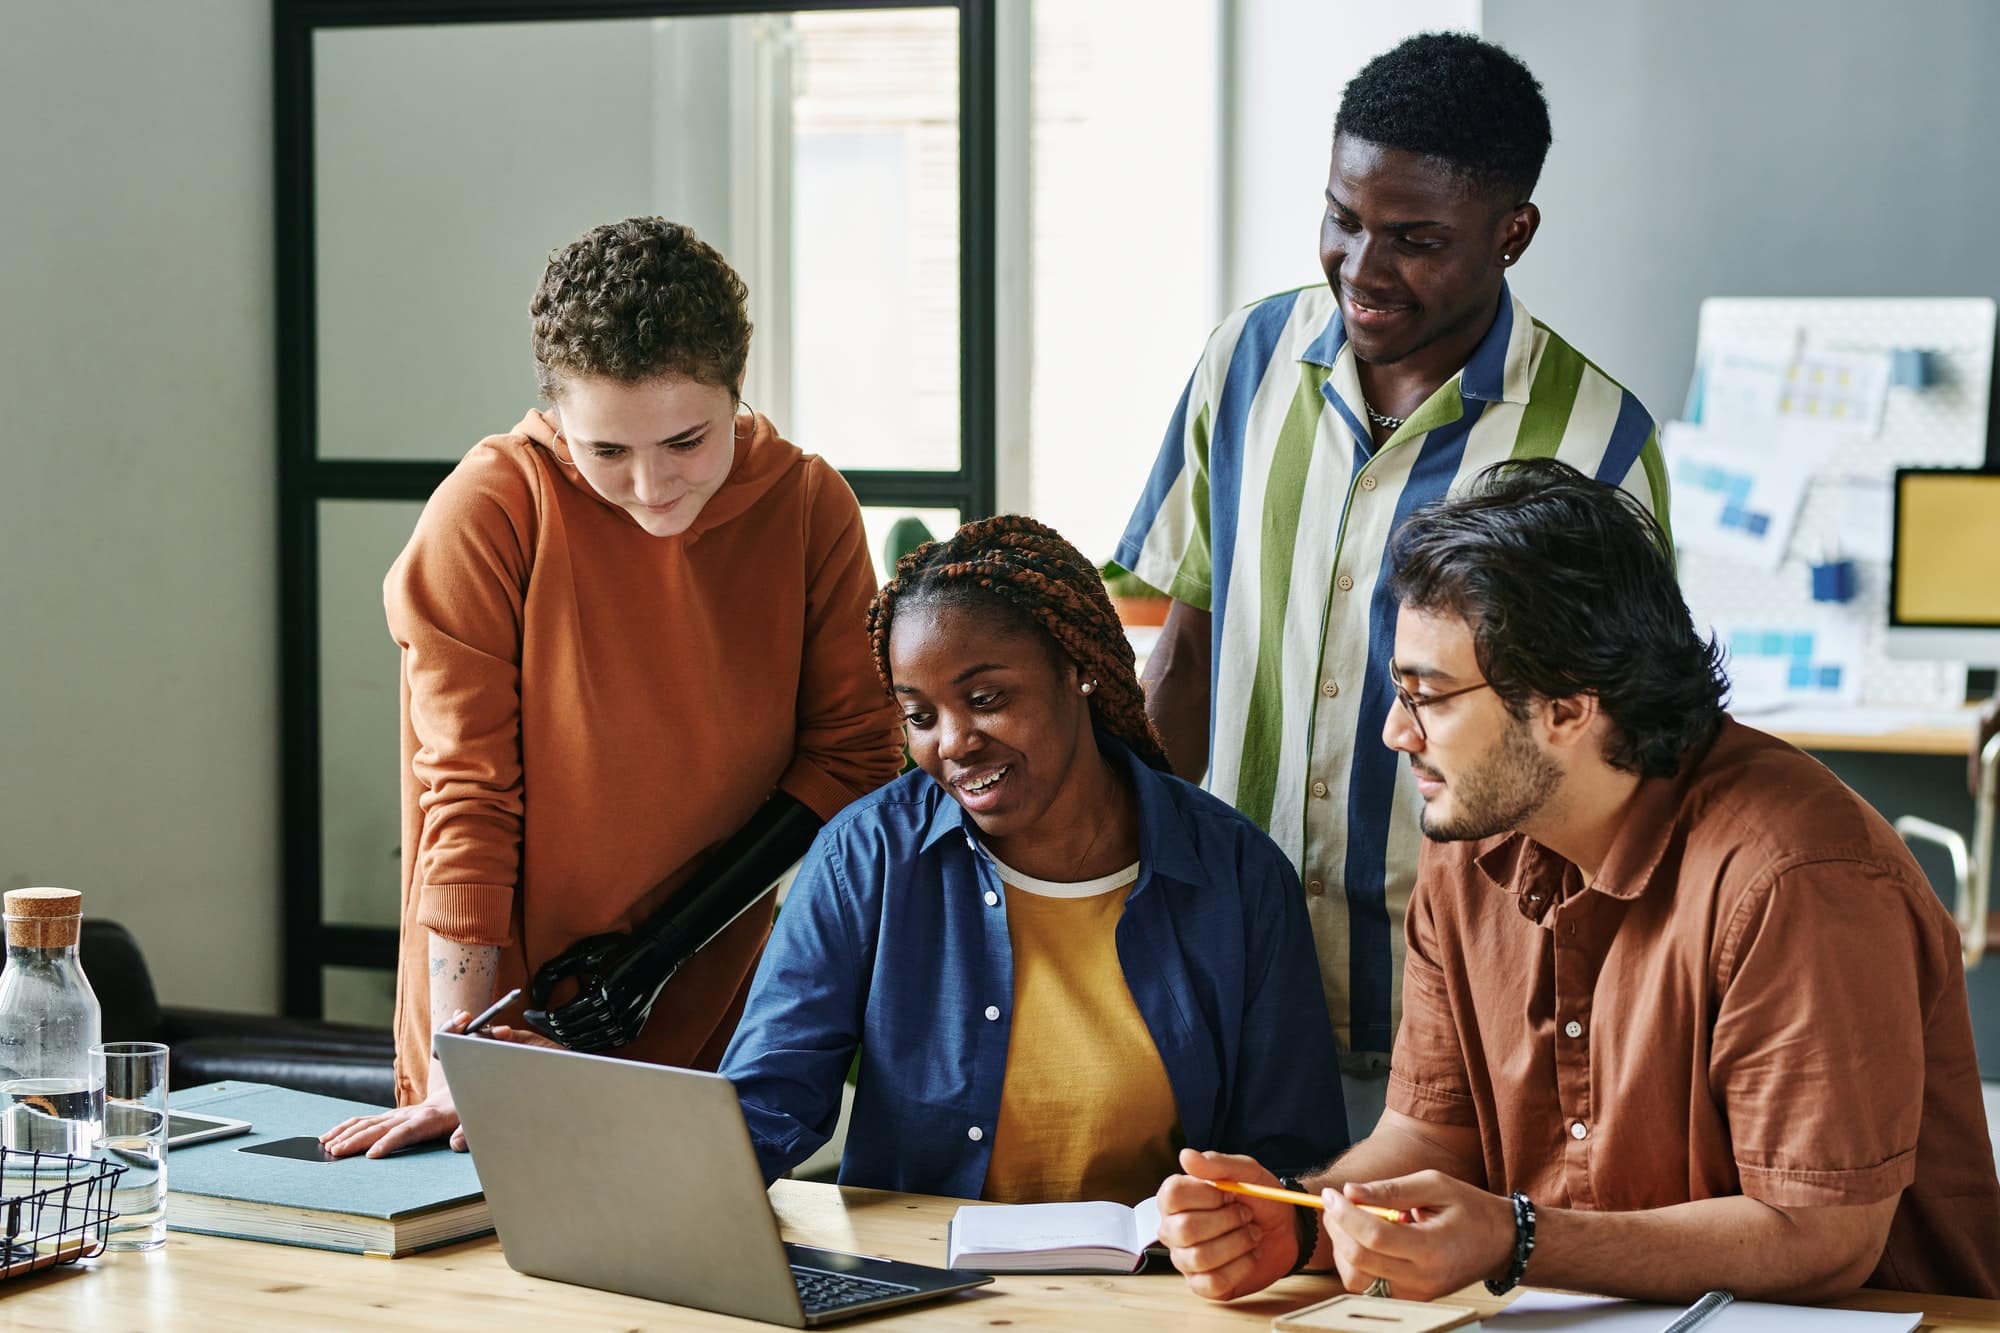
x,y
1680,1012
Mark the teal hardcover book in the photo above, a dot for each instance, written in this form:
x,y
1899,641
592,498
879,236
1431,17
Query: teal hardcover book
x,y
388,1206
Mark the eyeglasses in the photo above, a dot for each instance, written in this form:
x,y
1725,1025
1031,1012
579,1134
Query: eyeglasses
x,y
1413,705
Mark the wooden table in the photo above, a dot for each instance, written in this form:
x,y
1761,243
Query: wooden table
x,y
200,1282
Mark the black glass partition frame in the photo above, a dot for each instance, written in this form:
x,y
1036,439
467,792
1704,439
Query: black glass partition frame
x,y
307,479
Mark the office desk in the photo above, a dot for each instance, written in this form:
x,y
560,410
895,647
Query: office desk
x,y
1921,731
206,1283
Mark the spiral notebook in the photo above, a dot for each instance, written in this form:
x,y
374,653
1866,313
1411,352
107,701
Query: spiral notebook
x,y
1558,1312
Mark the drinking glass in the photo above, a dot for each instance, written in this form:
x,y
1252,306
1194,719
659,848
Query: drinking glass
x,y
134,1077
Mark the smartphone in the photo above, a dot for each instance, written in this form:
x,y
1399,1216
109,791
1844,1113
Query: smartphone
x,y
185,1127
305,1148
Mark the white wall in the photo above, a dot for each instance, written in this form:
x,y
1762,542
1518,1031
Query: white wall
x,y
1287,61
138,676
1706,148
1123,246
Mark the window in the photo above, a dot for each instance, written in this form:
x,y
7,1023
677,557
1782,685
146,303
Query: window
x,y
842,159
1124,244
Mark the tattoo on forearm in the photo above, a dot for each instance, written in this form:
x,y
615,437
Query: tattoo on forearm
x,y
455,967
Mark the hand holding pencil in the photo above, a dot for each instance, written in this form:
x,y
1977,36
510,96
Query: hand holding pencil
x,y
1232,1229
1232,1243
1457,1233
1298,1199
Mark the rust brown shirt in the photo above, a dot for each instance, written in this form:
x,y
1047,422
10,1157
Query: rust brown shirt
x,y
1759,994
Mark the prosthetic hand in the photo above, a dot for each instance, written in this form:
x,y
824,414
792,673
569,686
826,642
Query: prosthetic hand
x,y
618,977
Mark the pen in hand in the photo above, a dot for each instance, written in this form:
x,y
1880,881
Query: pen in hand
x,y
488,1014
492,1011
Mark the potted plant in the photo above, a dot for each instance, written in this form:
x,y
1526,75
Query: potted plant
x,y
1136,601
905,535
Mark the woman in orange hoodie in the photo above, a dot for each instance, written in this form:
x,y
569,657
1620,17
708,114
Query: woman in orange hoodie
x,y
634,645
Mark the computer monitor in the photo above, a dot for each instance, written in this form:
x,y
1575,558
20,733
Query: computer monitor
x,y
1944,565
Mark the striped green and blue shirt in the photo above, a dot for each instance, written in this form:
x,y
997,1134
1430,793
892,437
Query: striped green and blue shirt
x,y
1270,507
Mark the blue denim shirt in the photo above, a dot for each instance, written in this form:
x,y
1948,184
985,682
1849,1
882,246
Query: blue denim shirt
x,y
894,939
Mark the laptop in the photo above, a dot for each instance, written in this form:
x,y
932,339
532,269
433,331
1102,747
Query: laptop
x,y
640,1179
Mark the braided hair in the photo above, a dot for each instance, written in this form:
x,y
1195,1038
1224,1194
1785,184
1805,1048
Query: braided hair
x,y
1026,570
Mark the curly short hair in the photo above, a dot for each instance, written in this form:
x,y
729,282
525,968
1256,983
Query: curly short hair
x,y
638,300
1456,98
1568,586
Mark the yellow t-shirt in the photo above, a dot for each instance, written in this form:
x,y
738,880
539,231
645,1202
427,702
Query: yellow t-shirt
x,y
1086,1111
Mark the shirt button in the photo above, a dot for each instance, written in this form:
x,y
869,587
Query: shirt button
x,y
993,1012
976,1133
1330,689
1570,1029
1577,1130
1345,583
992,898
1368,483
1319,789
1315,888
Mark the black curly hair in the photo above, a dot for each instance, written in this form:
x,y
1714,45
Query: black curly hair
x,y
1568,586
1456,98
637,300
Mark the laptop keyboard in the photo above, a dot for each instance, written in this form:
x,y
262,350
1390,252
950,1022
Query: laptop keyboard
x,y
821,1291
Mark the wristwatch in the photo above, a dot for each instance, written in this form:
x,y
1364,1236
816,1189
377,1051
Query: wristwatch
x,y
1305,1224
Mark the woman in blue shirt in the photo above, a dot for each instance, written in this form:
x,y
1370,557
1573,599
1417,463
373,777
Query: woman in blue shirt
x,y
1059,963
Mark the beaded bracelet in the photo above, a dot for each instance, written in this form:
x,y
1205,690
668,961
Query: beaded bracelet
x,y
1524,1245
1305,1224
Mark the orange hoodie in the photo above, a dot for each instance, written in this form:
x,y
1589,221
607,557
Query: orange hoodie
x,y
588,710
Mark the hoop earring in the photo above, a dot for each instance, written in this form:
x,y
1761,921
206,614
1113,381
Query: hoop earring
x,y
562,457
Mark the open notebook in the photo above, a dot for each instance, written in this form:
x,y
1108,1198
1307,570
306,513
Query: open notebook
x,y
1052,1237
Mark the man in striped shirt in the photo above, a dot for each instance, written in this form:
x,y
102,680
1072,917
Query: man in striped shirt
x,y
1314,422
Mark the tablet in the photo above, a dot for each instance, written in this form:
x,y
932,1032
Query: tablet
x,y
185,1128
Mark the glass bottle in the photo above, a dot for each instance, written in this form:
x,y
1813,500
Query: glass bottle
x,y
49,1020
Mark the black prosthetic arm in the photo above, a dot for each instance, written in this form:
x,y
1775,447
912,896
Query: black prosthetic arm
x,y
618,976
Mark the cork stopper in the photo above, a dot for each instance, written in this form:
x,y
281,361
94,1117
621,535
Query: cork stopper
x,y
43,918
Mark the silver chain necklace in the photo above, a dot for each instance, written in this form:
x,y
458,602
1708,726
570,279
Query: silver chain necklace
x,y
1385,422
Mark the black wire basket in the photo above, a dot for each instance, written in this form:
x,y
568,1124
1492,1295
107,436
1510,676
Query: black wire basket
x,y
54,1209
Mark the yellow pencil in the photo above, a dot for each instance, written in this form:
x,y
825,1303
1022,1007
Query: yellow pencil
x,y
1301,1200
